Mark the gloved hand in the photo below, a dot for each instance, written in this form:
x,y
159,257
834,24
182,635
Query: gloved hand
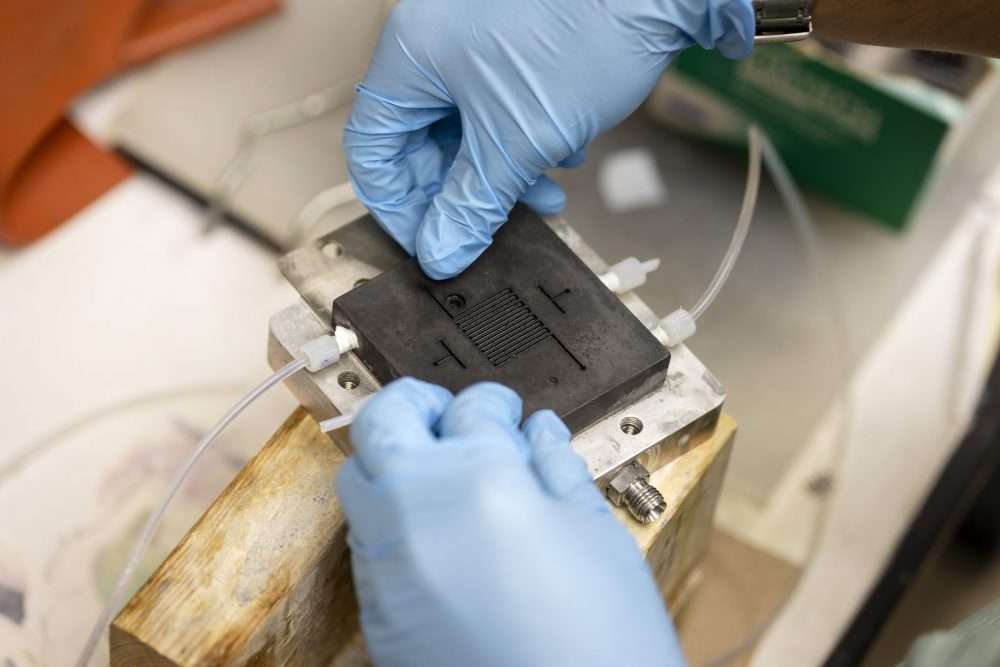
x,y
477,542
468,102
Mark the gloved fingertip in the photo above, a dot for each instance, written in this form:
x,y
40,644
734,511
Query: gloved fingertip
x,y
545,427
545,197
575,160
738,40
449,266
446,249
404,412
559,469
495,395
411,385
417,392
484,411
475,197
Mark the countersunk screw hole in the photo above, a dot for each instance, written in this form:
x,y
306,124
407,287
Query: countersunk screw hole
x,y
553,380
349,380
456,301
360,281
631,426
333,249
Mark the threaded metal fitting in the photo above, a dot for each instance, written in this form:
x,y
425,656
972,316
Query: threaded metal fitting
x,y
644,502
630,488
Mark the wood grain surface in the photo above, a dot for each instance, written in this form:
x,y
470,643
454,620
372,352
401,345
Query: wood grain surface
x,y
264,577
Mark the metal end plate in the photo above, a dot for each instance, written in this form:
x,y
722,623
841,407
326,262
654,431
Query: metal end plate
x,y
654,429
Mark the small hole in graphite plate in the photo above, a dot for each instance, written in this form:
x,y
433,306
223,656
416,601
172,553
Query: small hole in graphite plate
x,y
631,425
456,301
333,249
360,281
349,380
553,380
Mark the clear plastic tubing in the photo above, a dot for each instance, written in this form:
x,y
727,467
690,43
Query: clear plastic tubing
x,y
806,226
345,419
742,227
154,521
335,423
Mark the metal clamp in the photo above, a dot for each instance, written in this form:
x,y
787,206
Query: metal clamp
x,y
782,21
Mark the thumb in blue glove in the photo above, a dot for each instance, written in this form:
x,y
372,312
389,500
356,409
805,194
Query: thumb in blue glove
x,y
476,541
467,103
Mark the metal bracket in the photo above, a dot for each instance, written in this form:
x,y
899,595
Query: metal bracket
x,y
783,21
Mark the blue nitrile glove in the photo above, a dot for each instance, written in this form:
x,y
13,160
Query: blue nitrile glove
x,y
478,543
468,102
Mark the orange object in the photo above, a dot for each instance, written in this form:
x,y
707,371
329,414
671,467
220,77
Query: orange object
x,y
168,25
64,174
50,52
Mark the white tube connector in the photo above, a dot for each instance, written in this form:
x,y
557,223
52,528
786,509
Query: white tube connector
x,y
678,327
326,350
347,340
628,274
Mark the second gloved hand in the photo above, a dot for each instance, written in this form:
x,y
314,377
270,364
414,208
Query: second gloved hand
x,y
468,102
477,542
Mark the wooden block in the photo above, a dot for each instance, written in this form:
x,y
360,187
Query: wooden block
x,y
264,577
691,484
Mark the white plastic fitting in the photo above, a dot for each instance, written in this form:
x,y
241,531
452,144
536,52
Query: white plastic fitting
x,y
678,326
347,340
323,351
628,274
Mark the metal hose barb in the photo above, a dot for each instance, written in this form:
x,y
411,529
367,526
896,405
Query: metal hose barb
x,y
630,488
644,502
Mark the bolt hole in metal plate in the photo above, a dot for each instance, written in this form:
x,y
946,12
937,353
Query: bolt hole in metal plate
x,y
684,408
349,380
333,250
631,425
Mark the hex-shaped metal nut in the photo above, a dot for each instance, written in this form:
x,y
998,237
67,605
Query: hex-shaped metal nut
x,y
620,482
